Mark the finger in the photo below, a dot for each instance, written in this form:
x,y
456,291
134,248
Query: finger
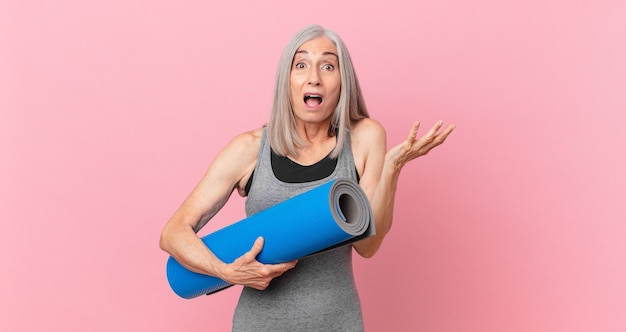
x,y
428,139
283,266
443,135
279,269
439,139
291,265
256,247
449,129
413,133
435,128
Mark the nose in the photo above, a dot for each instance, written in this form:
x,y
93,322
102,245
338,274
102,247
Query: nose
x,y
314,77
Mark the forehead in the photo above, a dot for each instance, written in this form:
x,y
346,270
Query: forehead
x,y
319,45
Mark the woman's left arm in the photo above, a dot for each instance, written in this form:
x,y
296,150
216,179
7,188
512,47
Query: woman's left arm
x,y
381,171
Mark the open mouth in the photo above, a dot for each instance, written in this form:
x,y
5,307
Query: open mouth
x,y
312,100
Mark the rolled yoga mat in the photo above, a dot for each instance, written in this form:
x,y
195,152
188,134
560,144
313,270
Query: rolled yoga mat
x,y
331,215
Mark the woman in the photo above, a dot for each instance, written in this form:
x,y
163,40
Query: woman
x,y
319,129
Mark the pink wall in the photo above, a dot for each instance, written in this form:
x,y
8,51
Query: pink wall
x,y
110,111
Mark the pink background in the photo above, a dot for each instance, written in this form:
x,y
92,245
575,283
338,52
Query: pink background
x,y
110,111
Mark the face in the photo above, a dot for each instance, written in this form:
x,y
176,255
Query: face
x,y
315,81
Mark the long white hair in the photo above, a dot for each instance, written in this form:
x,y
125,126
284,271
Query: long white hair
x,y
281,129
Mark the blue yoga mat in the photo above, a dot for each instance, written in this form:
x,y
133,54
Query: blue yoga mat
x,y
331,215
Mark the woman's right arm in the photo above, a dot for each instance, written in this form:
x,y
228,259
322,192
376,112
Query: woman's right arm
x,y
179,237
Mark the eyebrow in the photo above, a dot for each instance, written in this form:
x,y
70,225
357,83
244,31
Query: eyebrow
x,y
324,53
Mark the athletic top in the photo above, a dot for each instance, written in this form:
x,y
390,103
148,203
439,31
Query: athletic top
x,y
287,170
319,294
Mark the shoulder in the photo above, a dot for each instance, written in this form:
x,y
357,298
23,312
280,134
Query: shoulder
x,y
244,145
367,131
246,139
369,142
241,155
366,128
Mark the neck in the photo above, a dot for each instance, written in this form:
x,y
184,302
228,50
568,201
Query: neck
x,y
317,143
313,134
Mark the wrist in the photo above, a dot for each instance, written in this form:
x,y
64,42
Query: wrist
x,y
218,269
392,165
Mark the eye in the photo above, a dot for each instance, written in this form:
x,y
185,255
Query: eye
x,y
299,65
328,67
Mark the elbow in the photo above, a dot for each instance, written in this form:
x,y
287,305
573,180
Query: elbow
x,y
367,249
163,241
367,253
172,235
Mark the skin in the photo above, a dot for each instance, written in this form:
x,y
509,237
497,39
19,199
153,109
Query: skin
x,y
315,71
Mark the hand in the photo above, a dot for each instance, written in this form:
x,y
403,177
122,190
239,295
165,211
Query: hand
x,y
412,148
247,271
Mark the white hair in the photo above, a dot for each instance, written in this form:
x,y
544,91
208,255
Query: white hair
x,y
350,108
